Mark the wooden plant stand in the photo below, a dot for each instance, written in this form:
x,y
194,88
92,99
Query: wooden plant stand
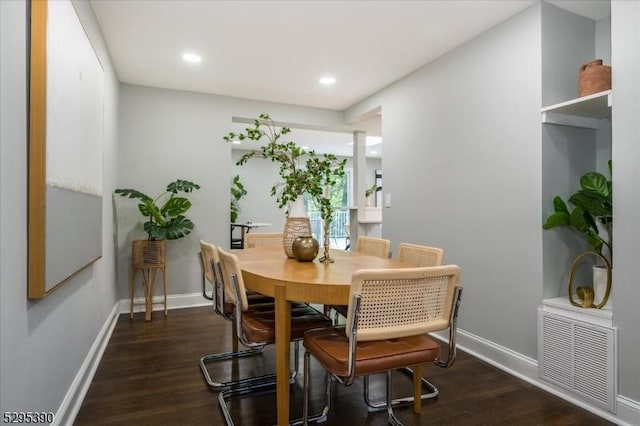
x,y
147,259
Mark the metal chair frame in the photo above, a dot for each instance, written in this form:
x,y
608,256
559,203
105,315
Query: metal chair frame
x,y
389,402
259,383
218,300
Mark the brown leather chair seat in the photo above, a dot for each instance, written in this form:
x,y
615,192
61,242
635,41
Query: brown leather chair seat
x,y
330,347
258,322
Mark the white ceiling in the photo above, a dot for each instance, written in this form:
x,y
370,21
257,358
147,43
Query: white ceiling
x,y
277,50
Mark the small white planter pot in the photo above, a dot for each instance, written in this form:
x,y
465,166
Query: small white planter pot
x,y
600,286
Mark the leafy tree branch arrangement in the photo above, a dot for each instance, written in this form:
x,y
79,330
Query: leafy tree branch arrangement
x,y
166,211
301,170
592,212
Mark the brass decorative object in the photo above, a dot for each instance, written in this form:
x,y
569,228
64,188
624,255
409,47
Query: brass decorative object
x,y
586,294
305,248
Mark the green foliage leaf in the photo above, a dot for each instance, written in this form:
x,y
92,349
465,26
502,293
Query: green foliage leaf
x,y
559,205
132,193
182,186
593,203
557,219
176,206
596,182
177,227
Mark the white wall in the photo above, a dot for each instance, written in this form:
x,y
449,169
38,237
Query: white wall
x,y
44,343
168,134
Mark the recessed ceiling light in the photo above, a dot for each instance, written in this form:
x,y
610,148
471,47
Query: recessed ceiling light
x,y
236,142
327,81
192,57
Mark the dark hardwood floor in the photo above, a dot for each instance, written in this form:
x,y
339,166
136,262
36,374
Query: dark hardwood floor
x,y
149,375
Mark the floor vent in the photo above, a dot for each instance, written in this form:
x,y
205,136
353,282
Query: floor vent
x,y
578,356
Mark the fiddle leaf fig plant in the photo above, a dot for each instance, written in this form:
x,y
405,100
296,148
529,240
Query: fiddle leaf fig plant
x,y
592,213
165,213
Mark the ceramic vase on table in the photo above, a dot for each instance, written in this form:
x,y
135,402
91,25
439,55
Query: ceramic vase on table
x,y
296,225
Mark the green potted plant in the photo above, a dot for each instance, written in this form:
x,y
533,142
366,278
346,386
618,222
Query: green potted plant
x,y
301,171
370,192
165,212
165,220
238,192
591,217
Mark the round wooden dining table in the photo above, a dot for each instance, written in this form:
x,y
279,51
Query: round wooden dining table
x,y
270,272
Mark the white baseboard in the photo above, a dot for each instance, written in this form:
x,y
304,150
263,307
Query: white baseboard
x,y
514,363
174,301
525,368
68,409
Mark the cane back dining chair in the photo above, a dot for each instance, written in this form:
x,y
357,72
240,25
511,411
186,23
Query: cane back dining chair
x,y
264,239
419,255
379,247
255,326
416,255
374,246
389,315
211,273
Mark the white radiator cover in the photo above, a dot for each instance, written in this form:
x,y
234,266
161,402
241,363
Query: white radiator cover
x,y
579,356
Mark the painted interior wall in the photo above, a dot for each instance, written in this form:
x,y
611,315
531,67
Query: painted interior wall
x,y
168,134
44,343
462,166
480,193
625,52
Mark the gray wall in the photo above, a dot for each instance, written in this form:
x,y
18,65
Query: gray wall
x,y
625,48
44,343
462,164
479,192
168,134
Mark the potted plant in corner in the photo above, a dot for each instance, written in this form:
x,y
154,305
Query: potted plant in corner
x,y
591,217
238,192
301,171
165,220
369,192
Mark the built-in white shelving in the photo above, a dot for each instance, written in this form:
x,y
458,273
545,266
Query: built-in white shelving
x,y
587,111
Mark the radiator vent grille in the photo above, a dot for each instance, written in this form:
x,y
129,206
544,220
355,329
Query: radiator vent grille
x,y
578,356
